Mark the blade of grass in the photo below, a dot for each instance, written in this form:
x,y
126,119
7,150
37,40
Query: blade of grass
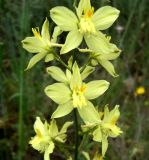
x,y
21,84
1,55
128,23
141,10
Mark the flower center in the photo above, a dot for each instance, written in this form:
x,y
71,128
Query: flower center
x,y
86,24
45,43
78,96
89,13
105,131
38,133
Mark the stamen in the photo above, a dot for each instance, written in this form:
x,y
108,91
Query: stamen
x,y
38,133
36,32
89,13
83,88
86,24
113,121
78,97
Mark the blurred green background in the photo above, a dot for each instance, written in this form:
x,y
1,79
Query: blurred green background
x,y
21,93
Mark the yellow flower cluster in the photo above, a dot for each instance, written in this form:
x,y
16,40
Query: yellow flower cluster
x,y
71,91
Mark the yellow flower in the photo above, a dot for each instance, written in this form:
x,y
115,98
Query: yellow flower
x,y
46,135
105,127
104,59
41,44
85,24
71,92
139,91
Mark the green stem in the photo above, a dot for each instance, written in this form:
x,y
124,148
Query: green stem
x,y
128,23
86,64
82,142
63,145
76,134
64,150
75,3
60,60
63,63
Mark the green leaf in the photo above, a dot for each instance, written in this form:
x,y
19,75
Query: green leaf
x,y
105,17
63,110
73,40
64,18
35,59
58,92
57,74
96,88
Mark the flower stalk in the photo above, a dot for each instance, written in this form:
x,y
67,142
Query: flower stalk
x,y
76,134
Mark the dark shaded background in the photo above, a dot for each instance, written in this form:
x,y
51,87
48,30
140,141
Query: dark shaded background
x,y
21,93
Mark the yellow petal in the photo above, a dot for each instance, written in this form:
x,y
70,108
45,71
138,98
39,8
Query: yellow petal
x,y
104,145
64,18
33,45
73,40
84,6
76,80
48,151
63,110
53,129
112,116
49,57
58,92
87,71
45,31
108,67
89,114
97,135
57,74
96,88
35,59
98,43
105,17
